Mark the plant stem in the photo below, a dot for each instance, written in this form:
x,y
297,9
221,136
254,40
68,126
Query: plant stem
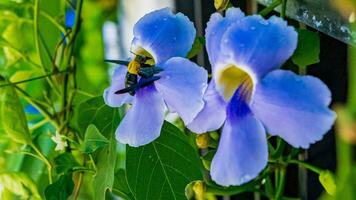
x,y
31,154
39,124
248,187
33,79
38,44
38,106
302,70
306,165
93,162
270,8
351,100
78,185
284,8
279,149
36,31
45,160
53,21
281,174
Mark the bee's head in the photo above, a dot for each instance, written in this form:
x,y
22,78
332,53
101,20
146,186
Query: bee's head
x,y
141,58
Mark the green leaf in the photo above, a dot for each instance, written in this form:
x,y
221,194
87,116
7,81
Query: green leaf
x,y
198,44
121,187
106,119
64,162
93,140
13,121
327,180
61,189
95,111
308,49
104,178
207,158
163,168
20,184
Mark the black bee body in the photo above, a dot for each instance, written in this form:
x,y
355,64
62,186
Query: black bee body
x,y
135,68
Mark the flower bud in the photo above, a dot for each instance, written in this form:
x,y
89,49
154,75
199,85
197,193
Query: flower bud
x,y
221,5
203,140
199,189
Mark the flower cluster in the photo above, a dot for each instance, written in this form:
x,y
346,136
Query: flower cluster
x,y
248,95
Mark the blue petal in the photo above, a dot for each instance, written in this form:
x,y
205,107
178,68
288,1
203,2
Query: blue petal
x,y
293,107
215,29
117,83
164,34
182,86
213,114
258,45
143,122
242,151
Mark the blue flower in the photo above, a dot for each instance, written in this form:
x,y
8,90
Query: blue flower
x,y
167,37
250,96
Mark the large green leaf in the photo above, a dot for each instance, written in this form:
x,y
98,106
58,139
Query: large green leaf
x,y
308,49
61,189
327,180
12,115
105,174
106,119
163,168
121,187
95,111
93,139
63,163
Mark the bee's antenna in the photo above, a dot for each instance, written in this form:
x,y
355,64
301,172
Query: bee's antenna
x,y
148,57
133,53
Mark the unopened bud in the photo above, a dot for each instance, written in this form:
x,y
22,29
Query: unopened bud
x,y
221,5
199,189
203,140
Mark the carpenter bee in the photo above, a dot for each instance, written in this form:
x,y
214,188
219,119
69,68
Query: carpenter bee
x,y
135,68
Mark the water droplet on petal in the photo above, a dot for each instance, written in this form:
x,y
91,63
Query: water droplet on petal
x,y
165,19
263,22
253,28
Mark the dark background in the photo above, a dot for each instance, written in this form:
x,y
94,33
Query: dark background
x,y
332,70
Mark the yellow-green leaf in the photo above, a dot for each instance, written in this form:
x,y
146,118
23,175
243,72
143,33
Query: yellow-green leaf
x,y
327,180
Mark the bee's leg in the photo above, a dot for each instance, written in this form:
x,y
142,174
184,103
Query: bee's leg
x,y
120,62
130,90
147,81
147,72
141,84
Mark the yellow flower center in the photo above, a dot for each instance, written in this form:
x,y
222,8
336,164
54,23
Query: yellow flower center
x,y
230,78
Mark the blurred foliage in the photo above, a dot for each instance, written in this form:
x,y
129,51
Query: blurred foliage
x,y
52,75
64,67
